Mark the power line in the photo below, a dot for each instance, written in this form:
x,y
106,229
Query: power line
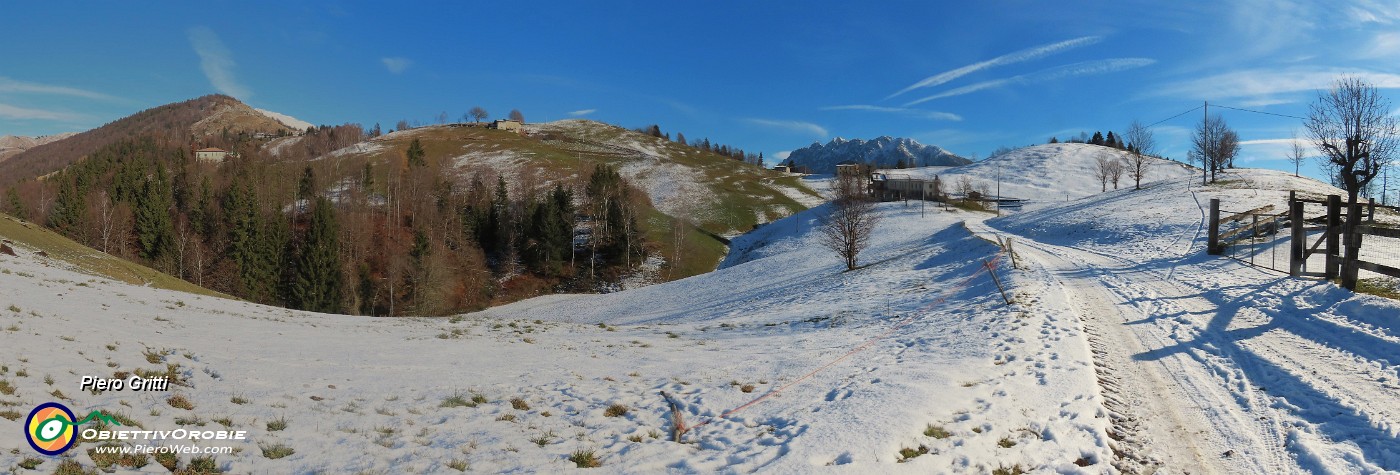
x,y
1260,112
1193,109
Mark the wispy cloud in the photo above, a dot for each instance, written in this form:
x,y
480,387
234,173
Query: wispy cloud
x,y
1384,45
794,126
923,114
783,155
22,87
582,112
217,62
1101,66
1011,58
1268,84
13,112
396,64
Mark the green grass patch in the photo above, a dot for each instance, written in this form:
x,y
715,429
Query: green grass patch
x,y
277,424
30,463
585,459
907,453
276,451
936,432
615,410
1381,287
72,467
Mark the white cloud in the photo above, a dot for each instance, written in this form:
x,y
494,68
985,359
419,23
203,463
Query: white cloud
x,y
11,85
582,112
924,114
783,155
396,64
217,62
795,126
1101,66
1384,45
1011,58
12,112
1260,84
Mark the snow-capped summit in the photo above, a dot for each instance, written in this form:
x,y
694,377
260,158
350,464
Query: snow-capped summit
x,y
884,151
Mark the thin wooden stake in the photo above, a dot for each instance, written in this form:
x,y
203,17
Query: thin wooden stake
x,y
992,270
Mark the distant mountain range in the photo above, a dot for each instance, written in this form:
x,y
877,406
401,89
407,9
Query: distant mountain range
x,y
11,145
883,152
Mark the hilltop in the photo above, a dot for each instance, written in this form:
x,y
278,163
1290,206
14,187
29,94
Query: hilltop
x,y
207,120
1047,172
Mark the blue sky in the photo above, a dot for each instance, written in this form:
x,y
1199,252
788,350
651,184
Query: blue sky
x,y
764,76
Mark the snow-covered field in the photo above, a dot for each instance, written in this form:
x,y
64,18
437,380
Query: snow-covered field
x,y
1126,350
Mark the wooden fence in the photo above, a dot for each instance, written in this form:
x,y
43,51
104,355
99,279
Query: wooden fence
x,y
1342,228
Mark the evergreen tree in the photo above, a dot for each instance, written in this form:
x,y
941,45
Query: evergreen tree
x,y
306,188
16,204
415,154
1097,140
1054,140
318,282
1111,141
248,243
496,236
154,227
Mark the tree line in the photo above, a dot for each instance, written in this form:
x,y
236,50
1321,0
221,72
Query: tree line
x,y
402,237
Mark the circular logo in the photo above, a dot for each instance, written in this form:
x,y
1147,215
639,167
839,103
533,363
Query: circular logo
x,y
50,429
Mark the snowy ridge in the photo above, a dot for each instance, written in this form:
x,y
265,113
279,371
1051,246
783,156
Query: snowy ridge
x,y
1046,173
882,151
287,120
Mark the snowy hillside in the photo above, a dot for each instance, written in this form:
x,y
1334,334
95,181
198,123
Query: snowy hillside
x,y
287,120
1126,350
883,151
1046,173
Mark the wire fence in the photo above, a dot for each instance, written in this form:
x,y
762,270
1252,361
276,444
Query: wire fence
x,y
1263,238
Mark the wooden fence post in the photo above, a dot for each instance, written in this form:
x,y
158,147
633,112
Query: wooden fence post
x,y
1300,239
1352,242
1334,229
1213,241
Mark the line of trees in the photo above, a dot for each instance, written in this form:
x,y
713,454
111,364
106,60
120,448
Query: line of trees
x,y
734,153
397,238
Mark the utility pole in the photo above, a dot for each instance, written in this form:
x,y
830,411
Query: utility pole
x,y
1205,129
998,188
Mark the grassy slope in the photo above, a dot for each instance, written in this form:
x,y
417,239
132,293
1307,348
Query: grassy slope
x,y
743,195
91,261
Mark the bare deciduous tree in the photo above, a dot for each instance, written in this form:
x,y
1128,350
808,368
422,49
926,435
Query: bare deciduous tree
x,y
1216,144
1115,171
848,227
477,113
1101,171
1351,125
1296,153
517,116
1143,145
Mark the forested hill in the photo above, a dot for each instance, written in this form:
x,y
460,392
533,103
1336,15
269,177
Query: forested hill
x,y
214,120
430,220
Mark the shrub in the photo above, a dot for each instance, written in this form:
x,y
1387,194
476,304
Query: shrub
x,y
277,424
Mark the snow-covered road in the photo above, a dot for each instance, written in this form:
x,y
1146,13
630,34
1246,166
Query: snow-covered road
x,y
1212,366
